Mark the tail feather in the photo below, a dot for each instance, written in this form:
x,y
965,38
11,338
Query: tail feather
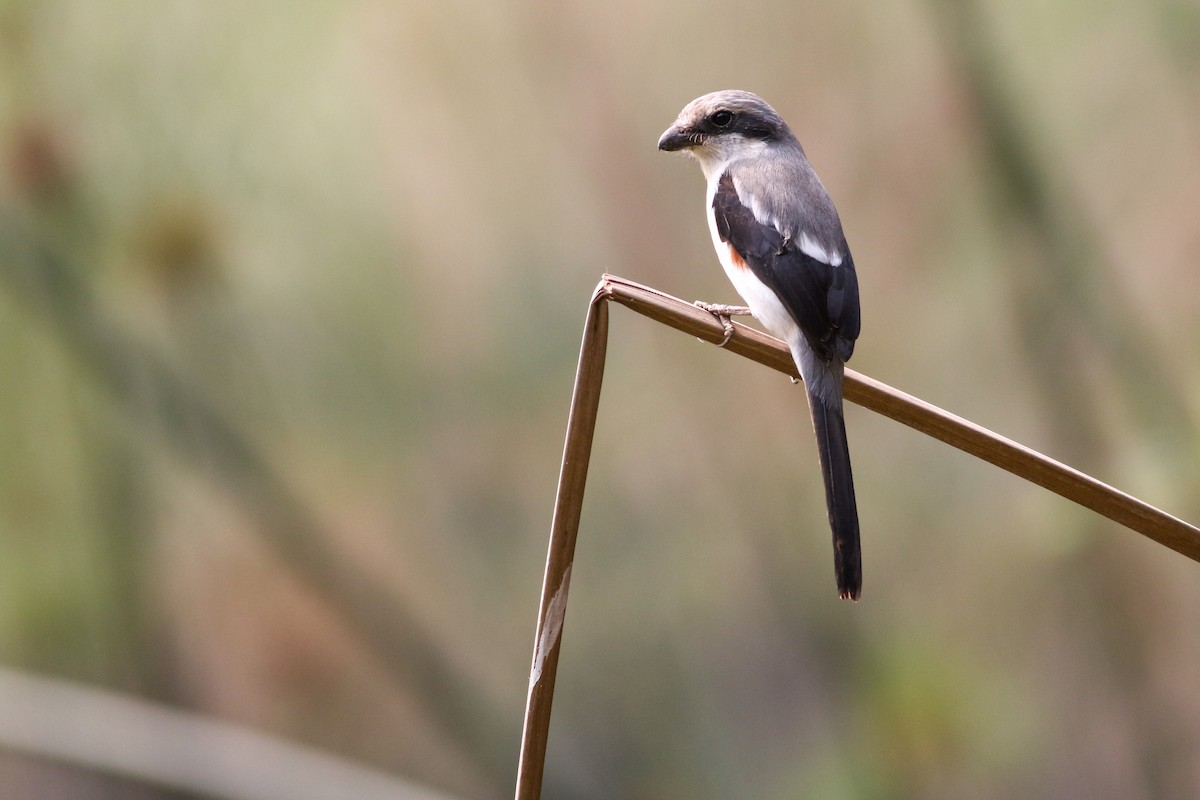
x,y
834,451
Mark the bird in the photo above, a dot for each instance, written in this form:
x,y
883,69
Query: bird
x,y
779,238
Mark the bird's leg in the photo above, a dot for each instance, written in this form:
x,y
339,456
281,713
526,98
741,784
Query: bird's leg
x,y
723,313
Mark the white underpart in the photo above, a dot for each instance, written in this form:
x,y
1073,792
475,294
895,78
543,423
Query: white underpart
x,y
763,303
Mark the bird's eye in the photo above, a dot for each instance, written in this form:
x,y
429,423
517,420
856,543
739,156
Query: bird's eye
x,y
722,119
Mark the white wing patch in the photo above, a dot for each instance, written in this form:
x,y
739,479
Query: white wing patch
x,y
811,248
760,213
808,245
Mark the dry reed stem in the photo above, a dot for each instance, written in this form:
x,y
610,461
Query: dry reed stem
x,y
1021,461
757,346
568,503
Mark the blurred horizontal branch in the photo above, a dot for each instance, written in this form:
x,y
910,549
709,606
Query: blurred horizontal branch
x,y
128,737
173,411
980,442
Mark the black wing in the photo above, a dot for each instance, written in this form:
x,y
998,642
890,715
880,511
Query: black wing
x,y
823,299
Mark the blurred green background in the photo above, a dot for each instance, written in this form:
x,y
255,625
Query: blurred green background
x,y
290,302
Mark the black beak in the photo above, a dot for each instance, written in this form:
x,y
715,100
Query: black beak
x,y
675,138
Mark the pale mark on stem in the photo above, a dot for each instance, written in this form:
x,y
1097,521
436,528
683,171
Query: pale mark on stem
x,y
551,628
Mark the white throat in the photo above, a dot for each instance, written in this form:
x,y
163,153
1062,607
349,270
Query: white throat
x,y
716,154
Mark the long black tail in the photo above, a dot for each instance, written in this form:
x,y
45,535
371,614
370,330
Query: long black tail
x,y
830,428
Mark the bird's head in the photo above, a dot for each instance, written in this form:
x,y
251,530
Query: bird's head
x,y
721,126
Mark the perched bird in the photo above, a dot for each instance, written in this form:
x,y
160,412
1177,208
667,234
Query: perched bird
x,y
780,241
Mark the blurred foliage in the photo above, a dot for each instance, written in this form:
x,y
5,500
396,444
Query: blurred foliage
x,y
291,296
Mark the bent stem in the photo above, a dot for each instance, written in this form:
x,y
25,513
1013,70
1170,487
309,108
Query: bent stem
x,y
976,440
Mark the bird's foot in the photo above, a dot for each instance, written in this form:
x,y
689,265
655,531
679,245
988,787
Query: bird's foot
x,y
723,313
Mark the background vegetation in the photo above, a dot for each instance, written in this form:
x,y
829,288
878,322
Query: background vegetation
x,y
290,300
